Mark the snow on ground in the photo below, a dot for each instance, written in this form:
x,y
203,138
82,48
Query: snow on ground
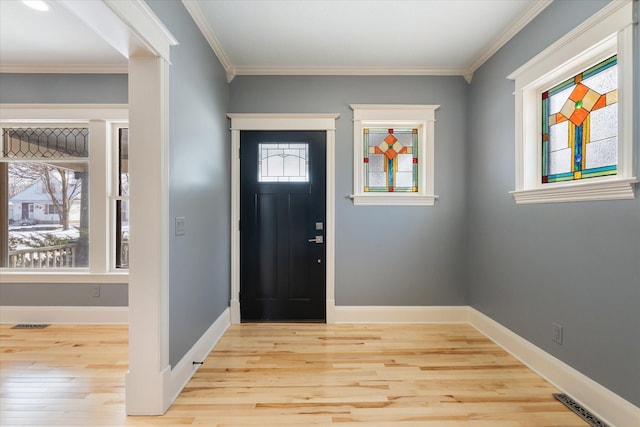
x,y
24,234
37,233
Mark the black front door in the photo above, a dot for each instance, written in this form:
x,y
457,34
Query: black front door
x,y
282,225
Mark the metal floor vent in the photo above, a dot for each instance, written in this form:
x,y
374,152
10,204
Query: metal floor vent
x,y
591,419
29,326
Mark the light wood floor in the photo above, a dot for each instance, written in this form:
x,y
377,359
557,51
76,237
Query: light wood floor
x,y
283,374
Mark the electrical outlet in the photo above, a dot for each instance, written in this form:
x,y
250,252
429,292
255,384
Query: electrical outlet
x,y
556,333
95,292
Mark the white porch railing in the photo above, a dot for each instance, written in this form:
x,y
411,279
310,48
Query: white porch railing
x,y
61,256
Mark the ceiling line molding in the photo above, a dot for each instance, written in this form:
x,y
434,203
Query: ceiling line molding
x,y
524,19
196,13
350,71
65,69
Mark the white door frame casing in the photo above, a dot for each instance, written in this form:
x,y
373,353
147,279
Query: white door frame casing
x,y
249,121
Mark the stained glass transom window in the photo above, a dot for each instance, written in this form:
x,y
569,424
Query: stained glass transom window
x,y
580,125
38,143
283,162
390,160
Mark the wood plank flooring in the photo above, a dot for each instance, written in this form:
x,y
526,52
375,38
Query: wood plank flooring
x,y
283,375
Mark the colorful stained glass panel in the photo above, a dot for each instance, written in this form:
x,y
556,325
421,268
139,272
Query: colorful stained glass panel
x,y
390,160
580,125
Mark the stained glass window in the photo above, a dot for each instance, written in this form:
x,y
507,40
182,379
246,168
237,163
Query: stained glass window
x,y
580,125
283,162
390,160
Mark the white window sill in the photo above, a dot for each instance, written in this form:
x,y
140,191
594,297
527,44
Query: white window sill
x,y
618,189
17,276
393,199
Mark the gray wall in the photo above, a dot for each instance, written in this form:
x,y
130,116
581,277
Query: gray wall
x,y
575,264
199,182
63,294
63,89
384,255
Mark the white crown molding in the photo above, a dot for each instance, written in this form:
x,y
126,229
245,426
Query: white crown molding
x,y
65,68
350,71
527,16
196,13
613,15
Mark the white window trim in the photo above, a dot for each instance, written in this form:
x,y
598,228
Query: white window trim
x,y
606,33
99,119
390,116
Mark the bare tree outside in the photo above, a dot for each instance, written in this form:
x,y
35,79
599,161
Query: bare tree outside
x,y
59,183
46,193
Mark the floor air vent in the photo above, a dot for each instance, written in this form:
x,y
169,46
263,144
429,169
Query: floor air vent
x,y
29,326
591,419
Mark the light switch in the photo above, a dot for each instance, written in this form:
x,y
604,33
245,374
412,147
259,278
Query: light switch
x,y
179,226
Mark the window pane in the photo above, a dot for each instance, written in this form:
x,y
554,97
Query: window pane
x,y
580,125
283,162
123,162
48,215
122,234
48,197
390,159
122,204
41,143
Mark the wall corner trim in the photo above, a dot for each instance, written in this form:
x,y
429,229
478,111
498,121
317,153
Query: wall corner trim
x,y
602,402
64,315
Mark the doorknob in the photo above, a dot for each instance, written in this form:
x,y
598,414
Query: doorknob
x,y
318,240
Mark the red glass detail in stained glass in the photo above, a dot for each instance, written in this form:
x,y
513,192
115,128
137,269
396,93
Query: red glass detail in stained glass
x,y
415,160
366,160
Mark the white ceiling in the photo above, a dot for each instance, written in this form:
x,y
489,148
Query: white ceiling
x,y
52,41
452,37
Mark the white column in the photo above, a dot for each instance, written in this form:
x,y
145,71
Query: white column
x,y
147,384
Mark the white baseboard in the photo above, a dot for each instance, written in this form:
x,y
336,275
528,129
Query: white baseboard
x,y
400,314
184,370
603,403
64,315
